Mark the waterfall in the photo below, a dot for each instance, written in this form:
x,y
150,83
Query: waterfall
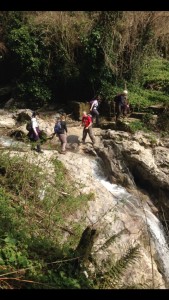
x,y
158,235
154,226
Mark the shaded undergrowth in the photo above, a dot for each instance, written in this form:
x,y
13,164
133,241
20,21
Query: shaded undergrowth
x,y
36,216
40,230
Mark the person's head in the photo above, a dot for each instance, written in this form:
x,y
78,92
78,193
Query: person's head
x,y
63,116
84,113
125,92
58,118
35,114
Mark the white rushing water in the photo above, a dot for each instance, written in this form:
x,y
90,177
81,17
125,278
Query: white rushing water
x,y
8,142
155,228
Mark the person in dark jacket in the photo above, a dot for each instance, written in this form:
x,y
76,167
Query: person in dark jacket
x,y
120,102
34,133
60,130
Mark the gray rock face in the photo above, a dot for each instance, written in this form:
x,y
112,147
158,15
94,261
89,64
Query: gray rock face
x,y
147,163
115,214
7,121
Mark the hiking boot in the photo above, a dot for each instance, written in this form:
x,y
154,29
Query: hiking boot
x,y
39,151
62,152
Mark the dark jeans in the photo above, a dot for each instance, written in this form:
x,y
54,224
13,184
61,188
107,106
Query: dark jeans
x,y
35,139
119,110
95,114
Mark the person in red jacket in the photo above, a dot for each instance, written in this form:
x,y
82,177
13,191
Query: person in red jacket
x,y
87,127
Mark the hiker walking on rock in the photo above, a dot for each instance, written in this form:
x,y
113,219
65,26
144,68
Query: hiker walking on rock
x,y
60,130
34,133
87,128
120,104
94,109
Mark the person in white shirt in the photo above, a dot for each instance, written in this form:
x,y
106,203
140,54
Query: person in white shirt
x,y
94,109
35,131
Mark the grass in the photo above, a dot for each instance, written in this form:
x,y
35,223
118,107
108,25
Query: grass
x,y
35,231
154,88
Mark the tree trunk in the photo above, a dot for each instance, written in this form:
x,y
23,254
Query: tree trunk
x,y
85,245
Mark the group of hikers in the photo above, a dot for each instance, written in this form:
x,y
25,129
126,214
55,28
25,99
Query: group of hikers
x,y
120,103
60,130
121,107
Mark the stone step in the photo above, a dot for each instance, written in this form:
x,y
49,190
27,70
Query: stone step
x,y
137,115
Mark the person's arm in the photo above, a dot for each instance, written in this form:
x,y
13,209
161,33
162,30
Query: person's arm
x,y
82,122
65,126
92,105
89,125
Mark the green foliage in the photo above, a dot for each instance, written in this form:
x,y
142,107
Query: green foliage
x,y
156,74
153,89
30,62
141,98
32,228
110,277
163,121
153,140
14,182
148,121
11,254
131,255
107,91
26,48
76,55
93,63
32,250
8,223
137,125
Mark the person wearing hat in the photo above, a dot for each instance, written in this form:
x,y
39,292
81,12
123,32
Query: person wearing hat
x,y
120,104
125,106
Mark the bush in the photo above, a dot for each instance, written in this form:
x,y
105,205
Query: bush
x,y
163,121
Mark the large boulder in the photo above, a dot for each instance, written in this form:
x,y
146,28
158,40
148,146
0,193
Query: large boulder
x,y
77,109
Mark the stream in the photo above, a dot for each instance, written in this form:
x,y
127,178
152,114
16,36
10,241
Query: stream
x,y
141,209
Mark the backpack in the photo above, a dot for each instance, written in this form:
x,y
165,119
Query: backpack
x,y
58,127
117,98
90,115
29,126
